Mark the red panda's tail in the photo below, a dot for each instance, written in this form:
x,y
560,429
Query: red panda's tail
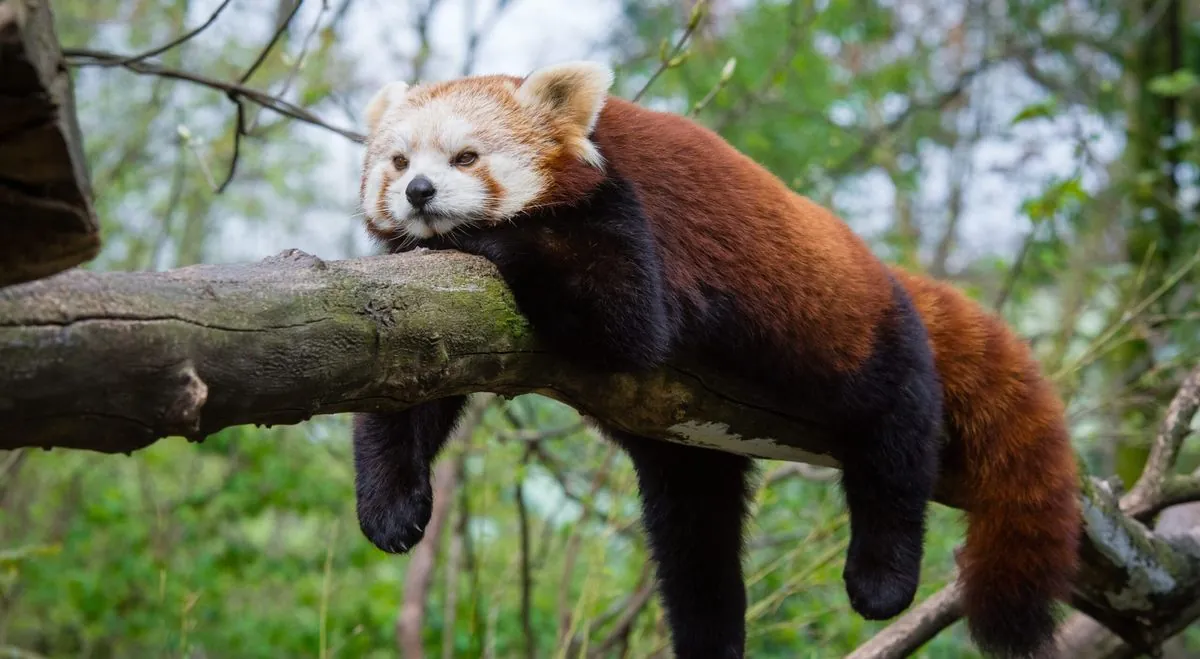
x,y
1013,471
1023,523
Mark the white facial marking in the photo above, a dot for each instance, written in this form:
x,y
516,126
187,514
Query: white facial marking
x,y
371,191
520,180
430,135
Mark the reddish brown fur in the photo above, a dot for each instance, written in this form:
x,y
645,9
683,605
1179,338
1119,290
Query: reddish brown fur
x,y
809,264
1010,464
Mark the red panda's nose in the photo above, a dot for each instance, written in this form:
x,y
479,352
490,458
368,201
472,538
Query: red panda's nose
x,y
419,191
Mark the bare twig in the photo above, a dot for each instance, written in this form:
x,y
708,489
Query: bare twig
x,y
422,563
575,542
1014,270
424,46
1156,481
280,30
239,129
674,56
294,72
418,578
526,577
630,610
478,33
936,103
915,628
776,73
87,57
180,40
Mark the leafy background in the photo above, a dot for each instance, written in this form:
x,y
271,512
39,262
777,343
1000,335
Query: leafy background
x,y
1043,155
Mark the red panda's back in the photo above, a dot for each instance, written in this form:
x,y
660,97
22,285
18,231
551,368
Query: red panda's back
x,y
725,222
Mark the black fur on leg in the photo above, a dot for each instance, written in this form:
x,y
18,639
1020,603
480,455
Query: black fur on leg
x,y
890,466
393,454
694,504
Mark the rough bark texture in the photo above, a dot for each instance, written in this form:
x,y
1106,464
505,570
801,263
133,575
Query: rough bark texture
x,y
46,219
111,362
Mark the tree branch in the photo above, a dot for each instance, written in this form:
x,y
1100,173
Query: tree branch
x,y
87,57
181,39
112,362
422,562
1157,485
915,628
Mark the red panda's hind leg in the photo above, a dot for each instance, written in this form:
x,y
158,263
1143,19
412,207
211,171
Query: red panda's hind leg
x,y
393,454
694,505
892,423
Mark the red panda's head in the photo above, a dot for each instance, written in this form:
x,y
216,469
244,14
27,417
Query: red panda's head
x,y
477,150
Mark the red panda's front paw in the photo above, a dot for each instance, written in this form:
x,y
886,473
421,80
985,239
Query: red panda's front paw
x,y
396,527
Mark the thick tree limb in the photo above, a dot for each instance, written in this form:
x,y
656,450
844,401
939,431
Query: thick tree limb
x,y
111,362
47,223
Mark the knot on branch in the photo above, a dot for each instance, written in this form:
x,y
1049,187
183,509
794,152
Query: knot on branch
x,y
182,414
299,257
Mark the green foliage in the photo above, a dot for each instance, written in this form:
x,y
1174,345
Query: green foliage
x,y
1179,83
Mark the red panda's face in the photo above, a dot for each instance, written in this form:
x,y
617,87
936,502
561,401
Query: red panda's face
x,y
476,150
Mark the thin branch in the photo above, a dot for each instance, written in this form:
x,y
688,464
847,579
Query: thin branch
x,y
79,57
722,81
915,628
675,56
936,103
179,40
1150,490
279,32
777,71
575,543
631,610
294,72
526,577
424,46
1014,271
239,129
479,33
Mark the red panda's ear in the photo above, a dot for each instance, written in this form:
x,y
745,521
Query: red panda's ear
x,y
391,94
574,90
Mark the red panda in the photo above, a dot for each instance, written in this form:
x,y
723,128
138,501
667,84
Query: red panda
x,y
629,236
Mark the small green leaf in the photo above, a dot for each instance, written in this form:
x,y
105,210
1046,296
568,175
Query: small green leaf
x,y
1178,83
1036,111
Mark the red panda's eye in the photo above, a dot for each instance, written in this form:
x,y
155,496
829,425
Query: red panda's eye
x,y
400,163
466,159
